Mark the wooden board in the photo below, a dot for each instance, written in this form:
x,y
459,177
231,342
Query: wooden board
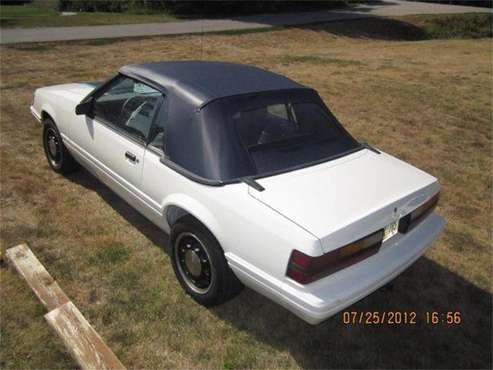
x,y
85,345
40,281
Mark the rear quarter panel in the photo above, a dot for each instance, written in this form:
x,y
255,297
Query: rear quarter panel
x,y
245,228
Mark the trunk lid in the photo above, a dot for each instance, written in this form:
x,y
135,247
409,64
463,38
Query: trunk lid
x,y
346,199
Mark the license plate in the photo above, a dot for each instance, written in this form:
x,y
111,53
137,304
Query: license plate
x,y
390,230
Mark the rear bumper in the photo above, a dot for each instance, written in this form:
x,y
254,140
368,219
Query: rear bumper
x,y
320,300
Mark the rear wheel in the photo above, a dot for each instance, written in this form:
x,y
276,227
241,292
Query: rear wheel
x,y
200,265
56,153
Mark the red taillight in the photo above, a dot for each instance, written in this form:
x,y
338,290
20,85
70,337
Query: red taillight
x,y
415,217
305,269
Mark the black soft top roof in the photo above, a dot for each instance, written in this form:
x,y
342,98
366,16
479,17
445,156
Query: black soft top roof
x,y
200,82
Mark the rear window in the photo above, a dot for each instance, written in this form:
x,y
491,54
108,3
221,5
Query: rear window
x,y
283,130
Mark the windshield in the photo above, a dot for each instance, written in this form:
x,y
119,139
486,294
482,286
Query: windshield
x,y
281,130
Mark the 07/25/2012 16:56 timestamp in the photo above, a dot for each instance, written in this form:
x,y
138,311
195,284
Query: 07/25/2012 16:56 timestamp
x,y
401,317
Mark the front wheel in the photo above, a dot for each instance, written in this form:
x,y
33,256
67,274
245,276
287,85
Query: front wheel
x,y
200,265
58,156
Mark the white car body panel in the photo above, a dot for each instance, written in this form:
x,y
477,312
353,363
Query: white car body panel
x,y
346,199
313,210
321,299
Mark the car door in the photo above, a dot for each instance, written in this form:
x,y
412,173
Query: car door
x,y
157,179
123,113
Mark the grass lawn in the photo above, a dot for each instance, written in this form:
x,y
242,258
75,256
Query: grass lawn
x,y
426,102
472,25
25,16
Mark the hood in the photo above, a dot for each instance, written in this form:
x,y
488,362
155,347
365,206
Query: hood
x,y
346,199
74,91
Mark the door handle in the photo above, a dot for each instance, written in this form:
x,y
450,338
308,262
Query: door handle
x,y
131,157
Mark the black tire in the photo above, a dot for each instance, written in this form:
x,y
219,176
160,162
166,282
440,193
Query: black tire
x,y
59,158
223,285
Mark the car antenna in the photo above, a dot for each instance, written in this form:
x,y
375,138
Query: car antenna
x,y
202,31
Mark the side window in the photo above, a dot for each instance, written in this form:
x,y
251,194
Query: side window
x,y
278,110
129,105
159,127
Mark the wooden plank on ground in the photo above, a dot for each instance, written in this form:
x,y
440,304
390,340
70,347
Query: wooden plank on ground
x,y
85,345
40,281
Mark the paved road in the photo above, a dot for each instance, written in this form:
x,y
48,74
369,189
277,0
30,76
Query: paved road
x,y
385,8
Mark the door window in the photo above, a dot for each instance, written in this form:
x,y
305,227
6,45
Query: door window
x,y
158,130
129,105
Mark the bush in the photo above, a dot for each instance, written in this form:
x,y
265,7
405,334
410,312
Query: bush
x,y
208,8
245,7
93,5
14,2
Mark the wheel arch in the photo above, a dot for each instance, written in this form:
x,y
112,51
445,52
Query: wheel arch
x,y
48,112
179,206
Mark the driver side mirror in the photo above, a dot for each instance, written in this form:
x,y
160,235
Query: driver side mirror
x,y
84,108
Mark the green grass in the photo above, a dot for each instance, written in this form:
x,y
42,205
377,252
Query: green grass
x,y
413,27
26,16
454,25
23,11
111,254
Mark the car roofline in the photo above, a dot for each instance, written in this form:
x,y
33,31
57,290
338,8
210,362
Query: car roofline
x,y
164,90
204,81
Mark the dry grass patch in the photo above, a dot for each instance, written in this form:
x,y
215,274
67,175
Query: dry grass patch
x,y
427,102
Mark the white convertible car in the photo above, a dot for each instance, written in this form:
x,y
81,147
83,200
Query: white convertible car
x,y
253,177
